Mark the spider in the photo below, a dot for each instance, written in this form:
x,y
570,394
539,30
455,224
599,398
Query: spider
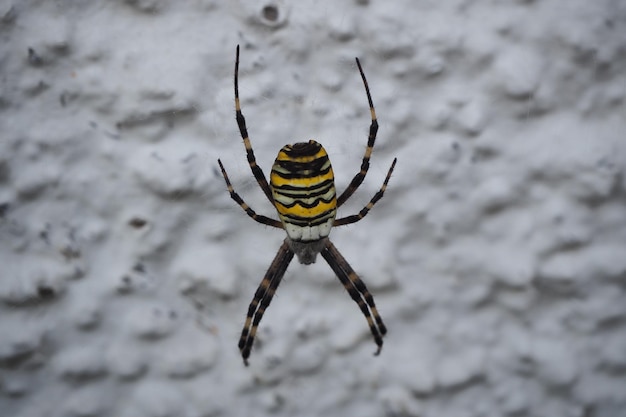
x,y
302,189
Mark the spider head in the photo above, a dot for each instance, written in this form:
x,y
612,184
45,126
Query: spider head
x,y
307,251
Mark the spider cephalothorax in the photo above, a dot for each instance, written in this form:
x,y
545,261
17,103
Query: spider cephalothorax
x,y
302,189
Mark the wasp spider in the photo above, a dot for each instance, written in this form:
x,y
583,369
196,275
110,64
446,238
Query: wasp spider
x,y
302,189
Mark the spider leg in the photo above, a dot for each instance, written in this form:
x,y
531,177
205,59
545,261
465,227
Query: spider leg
x,y
357,290
360,176
233,194
262,298
356,217
241,122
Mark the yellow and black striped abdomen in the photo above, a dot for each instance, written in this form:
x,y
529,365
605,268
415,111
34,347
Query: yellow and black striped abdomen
x,y
303,187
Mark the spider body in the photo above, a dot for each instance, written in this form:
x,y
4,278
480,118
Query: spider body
x,y
302,190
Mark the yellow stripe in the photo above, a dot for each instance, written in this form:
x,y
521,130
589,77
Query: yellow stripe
x,y
300,211
311,182
282,156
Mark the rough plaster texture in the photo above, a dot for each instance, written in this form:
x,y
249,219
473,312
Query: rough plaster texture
x,y
497,258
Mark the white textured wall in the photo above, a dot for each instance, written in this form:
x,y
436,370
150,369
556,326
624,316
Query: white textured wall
x,y
497,258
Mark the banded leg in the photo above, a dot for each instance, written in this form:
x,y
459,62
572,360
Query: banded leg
x,y
241,122
356,217
233,194
360,176
262,298
357,290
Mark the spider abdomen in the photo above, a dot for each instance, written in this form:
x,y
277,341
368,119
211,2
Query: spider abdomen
x,y
303,187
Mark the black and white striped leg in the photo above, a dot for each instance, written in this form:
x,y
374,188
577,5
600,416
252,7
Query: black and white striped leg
x,y
357,290
262,298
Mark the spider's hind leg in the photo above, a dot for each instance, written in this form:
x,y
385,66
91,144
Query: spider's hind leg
x,y
357,290
262,298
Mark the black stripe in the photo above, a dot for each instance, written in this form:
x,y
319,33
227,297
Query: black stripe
x,y
303,204
326,184
305,173
302,169
317,162
304,224
304,192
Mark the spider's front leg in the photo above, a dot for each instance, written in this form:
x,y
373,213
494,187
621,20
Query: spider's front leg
x,y
241,123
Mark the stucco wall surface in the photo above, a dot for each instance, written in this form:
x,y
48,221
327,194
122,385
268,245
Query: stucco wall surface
x,y
497,257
